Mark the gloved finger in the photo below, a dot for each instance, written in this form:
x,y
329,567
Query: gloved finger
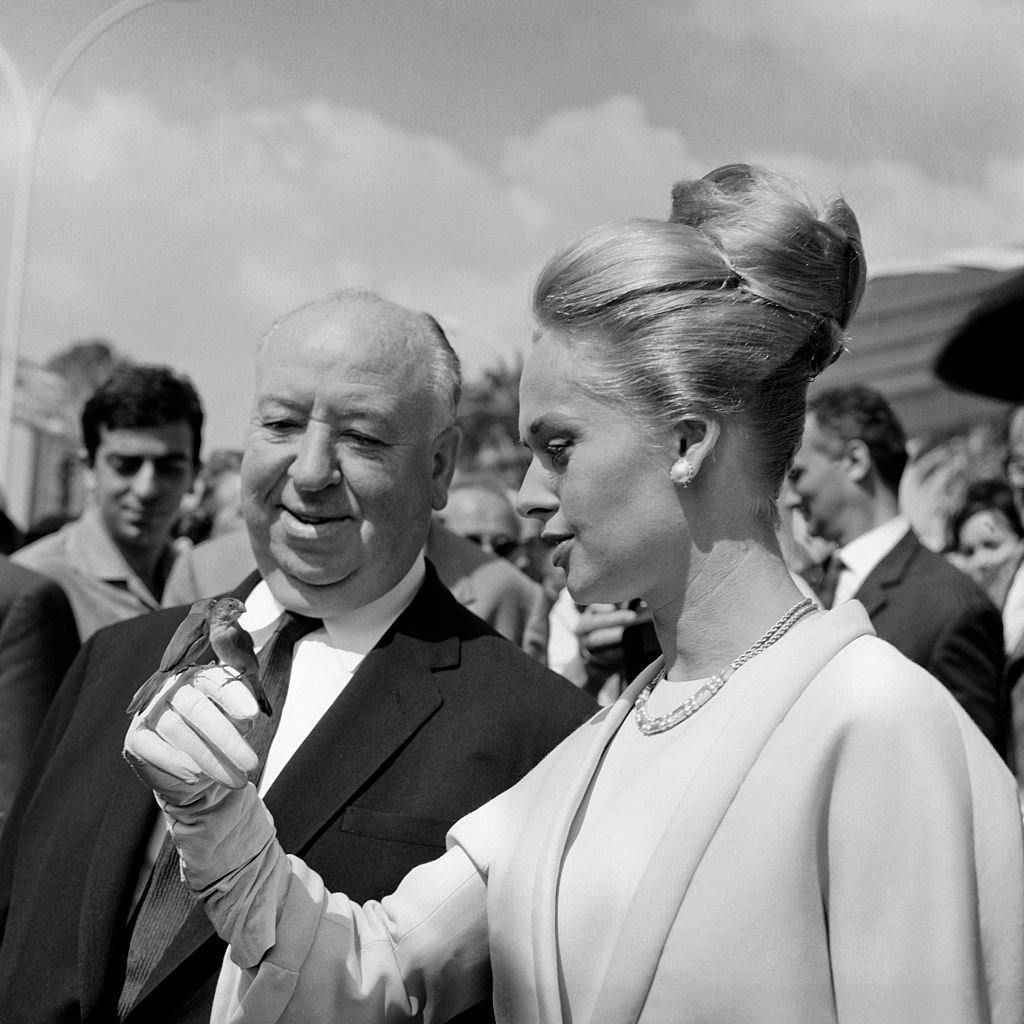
x,y
227,689
212,728
162,764
158,704
195,726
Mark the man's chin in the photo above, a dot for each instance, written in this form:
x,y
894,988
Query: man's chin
x,y
141,537
312,594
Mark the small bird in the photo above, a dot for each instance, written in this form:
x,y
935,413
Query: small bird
x,y
210,632
233,647
191,639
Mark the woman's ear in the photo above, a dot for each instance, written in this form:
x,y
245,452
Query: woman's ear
x,y
696,437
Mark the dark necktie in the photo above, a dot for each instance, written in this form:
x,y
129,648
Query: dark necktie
x,y
167,903
826,589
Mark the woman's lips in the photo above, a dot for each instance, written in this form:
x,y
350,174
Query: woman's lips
x,y
559,548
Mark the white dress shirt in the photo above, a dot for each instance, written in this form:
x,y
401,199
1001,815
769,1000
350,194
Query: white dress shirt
x,y
323,661
860,556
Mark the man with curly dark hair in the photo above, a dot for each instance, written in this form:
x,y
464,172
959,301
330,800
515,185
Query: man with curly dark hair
x,y
142,434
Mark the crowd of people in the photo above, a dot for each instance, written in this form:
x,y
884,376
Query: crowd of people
x,y
692,727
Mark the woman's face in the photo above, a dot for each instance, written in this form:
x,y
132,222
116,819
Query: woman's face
x,y
599,482
987,542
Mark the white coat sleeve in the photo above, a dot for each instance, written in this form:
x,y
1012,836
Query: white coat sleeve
x,y
301,953
925,899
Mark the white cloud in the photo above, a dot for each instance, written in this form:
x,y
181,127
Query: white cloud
x,y
181,240
599,163
906,213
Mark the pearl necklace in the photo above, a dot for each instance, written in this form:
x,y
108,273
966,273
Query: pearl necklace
x,y
649,725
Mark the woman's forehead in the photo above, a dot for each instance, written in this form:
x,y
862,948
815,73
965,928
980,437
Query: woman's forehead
x,y
555,361
551,382
989,520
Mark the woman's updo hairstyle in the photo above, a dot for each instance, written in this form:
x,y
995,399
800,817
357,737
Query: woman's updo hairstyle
x,y
728,309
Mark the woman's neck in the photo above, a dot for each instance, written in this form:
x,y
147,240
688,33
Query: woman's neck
x,y
732,597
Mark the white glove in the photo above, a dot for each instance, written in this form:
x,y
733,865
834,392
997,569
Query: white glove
x,y
187,745
189,738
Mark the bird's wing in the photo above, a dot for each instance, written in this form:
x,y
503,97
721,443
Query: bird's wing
x,y
189,637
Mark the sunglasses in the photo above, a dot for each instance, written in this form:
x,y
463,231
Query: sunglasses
x,y
501,545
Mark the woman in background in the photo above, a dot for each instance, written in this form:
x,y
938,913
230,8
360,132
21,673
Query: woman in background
x,y
988,545
781,819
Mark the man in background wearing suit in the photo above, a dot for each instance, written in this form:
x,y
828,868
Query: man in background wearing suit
x,y
846,476
38,641
402,710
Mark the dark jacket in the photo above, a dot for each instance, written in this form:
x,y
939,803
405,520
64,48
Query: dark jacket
x,y
940,618
38,642
439,717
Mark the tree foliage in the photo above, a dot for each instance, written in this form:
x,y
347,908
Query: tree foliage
x,y
489,418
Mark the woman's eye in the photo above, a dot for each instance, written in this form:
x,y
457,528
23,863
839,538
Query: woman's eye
x,y
557,452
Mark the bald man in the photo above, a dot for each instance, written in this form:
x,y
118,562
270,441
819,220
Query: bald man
x,y
402,711
481,573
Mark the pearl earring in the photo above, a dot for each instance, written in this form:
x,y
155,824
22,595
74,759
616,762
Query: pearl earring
x,y
682,472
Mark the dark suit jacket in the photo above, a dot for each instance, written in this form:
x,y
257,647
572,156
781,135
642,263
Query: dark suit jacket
x,y
938,617
440,716
38,642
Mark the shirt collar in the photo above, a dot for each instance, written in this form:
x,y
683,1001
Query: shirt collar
x,y
863,553
96,551
356,631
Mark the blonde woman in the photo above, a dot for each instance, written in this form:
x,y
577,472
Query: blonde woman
x,y
781,819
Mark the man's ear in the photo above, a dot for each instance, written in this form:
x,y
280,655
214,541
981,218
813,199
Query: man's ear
x,y
446,452
88,465
858,459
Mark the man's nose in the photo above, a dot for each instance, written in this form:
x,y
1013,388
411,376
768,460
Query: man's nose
x,y
144,482
316,464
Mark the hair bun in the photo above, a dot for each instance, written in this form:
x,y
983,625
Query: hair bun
x,y
785,248
842,220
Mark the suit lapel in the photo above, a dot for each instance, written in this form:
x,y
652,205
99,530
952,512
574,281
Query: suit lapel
x,y
388,698
890,572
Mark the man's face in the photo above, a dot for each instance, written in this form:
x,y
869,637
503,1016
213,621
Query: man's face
x,y
344,462
820,481
485,518
140,475
1015,460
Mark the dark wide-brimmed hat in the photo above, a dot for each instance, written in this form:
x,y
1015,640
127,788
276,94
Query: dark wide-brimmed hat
x,y
986,352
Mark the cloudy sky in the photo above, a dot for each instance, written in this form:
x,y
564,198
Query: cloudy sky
x,y
208,165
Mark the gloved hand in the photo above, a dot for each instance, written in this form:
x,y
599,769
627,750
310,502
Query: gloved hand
x,y
187,743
